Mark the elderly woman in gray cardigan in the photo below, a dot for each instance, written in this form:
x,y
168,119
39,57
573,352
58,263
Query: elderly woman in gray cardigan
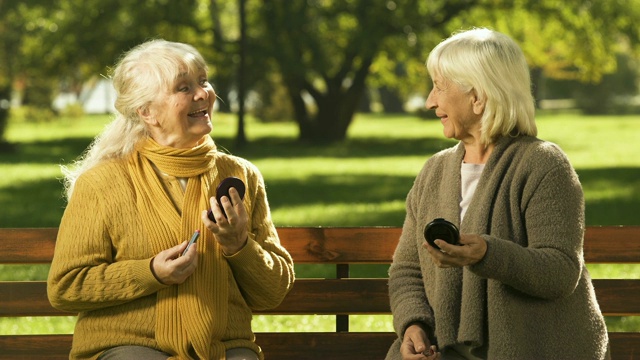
x,y
516,286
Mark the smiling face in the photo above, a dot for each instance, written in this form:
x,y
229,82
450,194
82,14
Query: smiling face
x,y
460,112
181,115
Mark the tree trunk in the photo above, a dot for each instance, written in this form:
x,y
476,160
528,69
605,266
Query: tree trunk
x,y
536,84
223,82
336,108
364,105
391,102
5,98
241,137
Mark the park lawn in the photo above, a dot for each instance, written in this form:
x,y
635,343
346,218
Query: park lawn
x,y
361,182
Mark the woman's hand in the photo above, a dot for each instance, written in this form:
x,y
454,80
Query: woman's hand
x,y
170,268
471,250
230,232
416,345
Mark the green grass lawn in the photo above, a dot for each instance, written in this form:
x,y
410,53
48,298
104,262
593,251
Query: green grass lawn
x,y
360,182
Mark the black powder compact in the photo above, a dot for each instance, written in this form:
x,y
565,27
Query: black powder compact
x,y
441,229
223,190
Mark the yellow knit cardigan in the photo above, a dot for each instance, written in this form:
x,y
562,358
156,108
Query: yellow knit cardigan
x,y
101,267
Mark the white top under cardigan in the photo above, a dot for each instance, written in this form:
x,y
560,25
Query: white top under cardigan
x,y
469,177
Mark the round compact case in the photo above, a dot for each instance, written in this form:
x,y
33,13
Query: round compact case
x,y
441,229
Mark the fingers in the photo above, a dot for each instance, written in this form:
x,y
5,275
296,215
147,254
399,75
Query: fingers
x,y
229,209
236,199
218,215
170,268
229,231
432,353
416,345
471,250
233,206
236,215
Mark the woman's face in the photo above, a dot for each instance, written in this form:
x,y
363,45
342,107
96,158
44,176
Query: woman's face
x,y
460,112
181,115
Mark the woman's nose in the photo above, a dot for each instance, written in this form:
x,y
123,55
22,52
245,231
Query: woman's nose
x,y
431,101
201,93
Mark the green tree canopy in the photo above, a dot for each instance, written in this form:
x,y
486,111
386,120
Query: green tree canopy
x,y
324,51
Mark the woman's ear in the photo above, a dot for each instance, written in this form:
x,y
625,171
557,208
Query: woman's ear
x,y
477,103
146,116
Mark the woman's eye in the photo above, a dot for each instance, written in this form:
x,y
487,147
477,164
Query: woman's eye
x,y
204,82
184,89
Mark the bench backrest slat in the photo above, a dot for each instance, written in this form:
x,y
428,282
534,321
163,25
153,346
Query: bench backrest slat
x,y
612,244
27,246
327,296
603,244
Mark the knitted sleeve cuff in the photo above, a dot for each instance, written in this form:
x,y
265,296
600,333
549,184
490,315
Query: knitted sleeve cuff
x,y
247,254
143,273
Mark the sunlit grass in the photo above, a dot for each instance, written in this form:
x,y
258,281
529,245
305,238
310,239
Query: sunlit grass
x,y
293,323
260,323
617,271
594,141
37,325
337,213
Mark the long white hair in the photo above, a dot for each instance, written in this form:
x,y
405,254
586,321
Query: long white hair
x,y
141,74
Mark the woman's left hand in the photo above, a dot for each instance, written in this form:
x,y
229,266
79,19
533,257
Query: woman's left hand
x,y
471,250
230,231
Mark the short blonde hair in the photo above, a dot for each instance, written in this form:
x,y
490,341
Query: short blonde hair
x,y
140,75
493,65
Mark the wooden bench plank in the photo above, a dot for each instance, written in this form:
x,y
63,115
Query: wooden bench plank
x,y
336,296
27,246
35,347
369,245
618,297
326,346
603,244
317,296
26,298
311,296
282,346
612,244
624,345
305,244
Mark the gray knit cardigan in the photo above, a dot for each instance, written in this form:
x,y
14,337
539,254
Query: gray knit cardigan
x,y
531,296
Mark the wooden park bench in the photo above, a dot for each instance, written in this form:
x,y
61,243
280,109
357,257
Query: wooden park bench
x,y
341,296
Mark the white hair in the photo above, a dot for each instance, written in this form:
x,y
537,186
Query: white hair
x,y
493,65
141,74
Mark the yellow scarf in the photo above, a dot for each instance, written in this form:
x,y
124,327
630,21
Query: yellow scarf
x,y
190,317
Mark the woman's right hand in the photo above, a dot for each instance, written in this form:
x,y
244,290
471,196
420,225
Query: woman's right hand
x,y
170,268
416,345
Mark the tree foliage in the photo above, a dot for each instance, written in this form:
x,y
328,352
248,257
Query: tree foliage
x,y
324,52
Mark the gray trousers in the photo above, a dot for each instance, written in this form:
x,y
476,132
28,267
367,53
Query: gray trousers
x,y
141,352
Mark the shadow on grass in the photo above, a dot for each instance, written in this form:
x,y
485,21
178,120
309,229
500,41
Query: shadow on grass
x,y
374,147
62,151
56,151
613,195
364,194
326,189
32,204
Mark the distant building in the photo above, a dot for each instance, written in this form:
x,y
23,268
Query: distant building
x,y
96,97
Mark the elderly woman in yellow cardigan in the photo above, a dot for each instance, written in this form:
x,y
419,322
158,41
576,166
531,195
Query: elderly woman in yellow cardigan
x,y
135,199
